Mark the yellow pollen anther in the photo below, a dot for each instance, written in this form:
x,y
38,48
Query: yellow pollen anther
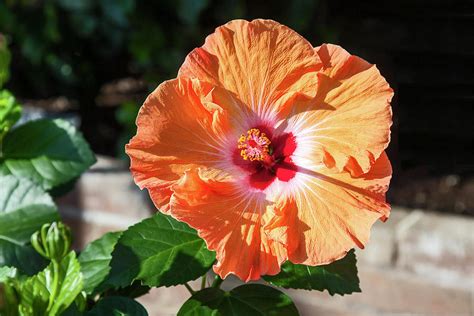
x,y
254,146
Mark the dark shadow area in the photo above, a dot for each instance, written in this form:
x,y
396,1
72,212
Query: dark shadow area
x,y
183,265
124,267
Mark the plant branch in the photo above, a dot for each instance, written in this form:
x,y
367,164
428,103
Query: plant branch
x,y
190,289
203,281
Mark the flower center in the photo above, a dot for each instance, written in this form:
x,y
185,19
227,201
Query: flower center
x,y
265,156
254,146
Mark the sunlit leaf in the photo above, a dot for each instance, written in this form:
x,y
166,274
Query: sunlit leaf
x,y
6,273
159,251
95,259
51,291
10,113
49,152
24,208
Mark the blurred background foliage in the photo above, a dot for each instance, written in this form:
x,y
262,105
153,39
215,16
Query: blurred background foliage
x,y
72,47
104,56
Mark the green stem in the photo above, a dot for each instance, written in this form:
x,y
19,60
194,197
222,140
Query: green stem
x,y
55,284
190,289
217,282
203,281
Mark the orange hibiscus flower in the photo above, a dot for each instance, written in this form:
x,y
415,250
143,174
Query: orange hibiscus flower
x,y
271,149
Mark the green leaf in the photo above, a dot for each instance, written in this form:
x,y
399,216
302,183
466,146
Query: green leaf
x,y
119,306
23,257
4,61
24,208
248,299
136,289
159,251
72,310
10,113
49,152
7,273
21,194
95,261
51,291
339,277
64,188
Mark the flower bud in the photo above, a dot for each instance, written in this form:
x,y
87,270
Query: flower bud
x,y
52,241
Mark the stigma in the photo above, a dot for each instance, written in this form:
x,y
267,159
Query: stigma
x,y
254,146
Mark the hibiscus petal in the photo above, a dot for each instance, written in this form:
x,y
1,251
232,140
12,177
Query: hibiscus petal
x,y
333,212
349,122
266,64
230,220
177,131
